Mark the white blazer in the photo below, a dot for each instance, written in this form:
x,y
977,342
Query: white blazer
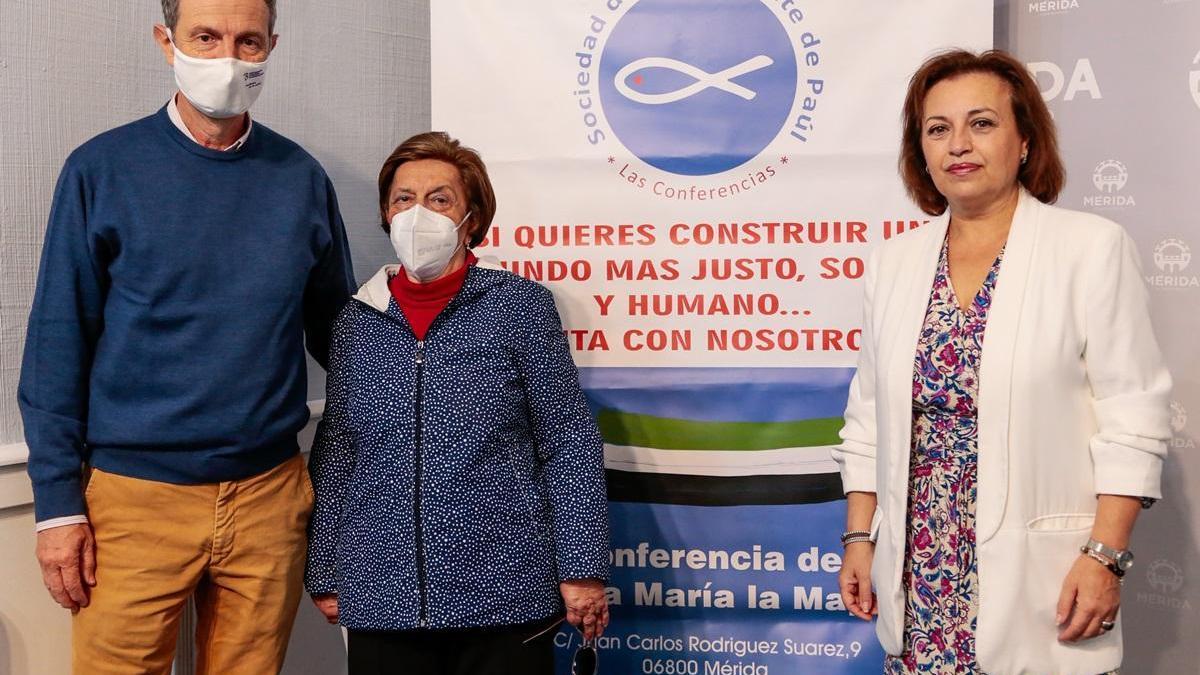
x,y
1073,402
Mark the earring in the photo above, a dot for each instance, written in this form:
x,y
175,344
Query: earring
x,y
1024,156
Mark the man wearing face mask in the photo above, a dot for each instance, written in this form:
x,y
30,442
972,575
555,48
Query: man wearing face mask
x,y
190,258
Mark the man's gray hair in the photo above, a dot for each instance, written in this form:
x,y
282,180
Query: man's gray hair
x,y
171,14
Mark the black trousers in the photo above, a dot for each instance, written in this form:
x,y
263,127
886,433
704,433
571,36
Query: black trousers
x,y
470,651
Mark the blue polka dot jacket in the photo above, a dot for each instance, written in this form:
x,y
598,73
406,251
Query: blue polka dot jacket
x,y
460,478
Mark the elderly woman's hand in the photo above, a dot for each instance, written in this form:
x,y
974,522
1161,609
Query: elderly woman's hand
x,y
1090,594
327,603
587,606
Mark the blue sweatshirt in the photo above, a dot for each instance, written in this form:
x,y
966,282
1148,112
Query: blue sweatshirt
x,y
176,289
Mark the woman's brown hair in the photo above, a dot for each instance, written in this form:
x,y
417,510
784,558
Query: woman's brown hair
x,y
481,199
1042,173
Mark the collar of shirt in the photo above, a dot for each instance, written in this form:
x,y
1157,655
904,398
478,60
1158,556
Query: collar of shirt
x,y
177,120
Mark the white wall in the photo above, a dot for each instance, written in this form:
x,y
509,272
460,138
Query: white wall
x,y
349,81
35,633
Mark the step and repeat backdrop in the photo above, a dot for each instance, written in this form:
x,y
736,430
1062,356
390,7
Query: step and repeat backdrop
x,y
699,182
1123,82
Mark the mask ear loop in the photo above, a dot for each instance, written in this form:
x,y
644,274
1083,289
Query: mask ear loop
x,y
179,52
171,39
174,47
463,242
460,225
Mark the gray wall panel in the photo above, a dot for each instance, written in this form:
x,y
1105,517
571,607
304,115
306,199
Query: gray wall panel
x,y
349,80
1130,137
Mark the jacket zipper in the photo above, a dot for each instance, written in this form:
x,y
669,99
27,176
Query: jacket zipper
x,y
418,530
422,591
422,585
419,359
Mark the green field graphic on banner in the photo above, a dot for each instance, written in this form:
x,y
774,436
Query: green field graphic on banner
x,y
663,433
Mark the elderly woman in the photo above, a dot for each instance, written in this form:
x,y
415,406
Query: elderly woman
x,y
1009,416
460,499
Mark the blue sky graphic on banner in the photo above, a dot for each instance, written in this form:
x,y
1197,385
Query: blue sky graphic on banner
x,y
701,96
720,394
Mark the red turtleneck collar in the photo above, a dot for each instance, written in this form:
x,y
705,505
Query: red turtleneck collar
x,y
421,303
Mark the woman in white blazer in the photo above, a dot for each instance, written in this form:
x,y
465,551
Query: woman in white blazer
x,y
1009,416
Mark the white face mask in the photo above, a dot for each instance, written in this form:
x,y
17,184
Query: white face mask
x,y
219,88
425,241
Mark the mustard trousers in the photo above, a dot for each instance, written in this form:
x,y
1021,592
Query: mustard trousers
x,y
238,546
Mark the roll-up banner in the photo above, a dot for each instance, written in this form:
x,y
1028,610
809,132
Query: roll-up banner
x,y
699,183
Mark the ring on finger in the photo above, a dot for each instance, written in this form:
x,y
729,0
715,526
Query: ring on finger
x,y
1107,625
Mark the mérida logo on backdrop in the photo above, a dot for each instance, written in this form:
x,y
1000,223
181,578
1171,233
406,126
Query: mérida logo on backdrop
x,y
1109,177
1179,440
1166,580
1172,257
684,105
1050,6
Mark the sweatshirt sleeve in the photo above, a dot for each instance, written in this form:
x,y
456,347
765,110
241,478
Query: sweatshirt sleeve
x,y
330,283
568,445
65,324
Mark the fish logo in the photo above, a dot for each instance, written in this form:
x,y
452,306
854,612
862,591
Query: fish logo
x,y
704,80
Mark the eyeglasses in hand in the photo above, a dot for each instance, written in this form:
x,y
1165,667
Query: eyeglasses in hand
x,y
586,660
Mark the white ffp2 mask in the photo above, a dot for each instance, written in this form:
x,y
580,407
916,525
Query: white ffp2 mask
x,y
219,88
425,241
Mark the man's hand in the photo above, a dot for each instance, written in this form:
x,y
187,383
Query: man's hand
x,y
327,604
67,556
587,606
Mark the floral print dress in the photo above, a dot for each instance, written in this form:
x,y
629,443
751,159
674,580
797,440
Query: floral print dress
x,y
940,579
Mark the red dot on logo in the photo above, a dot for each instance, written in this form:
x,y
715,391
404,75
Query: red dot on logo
x,y
637,79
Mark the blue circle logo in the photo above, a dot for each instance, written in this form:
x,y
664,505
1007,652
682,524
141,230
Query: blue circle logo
x,y
697,87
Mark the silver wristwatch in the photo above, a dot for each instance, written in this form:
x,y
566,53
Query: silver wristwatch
x,y
1122,559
